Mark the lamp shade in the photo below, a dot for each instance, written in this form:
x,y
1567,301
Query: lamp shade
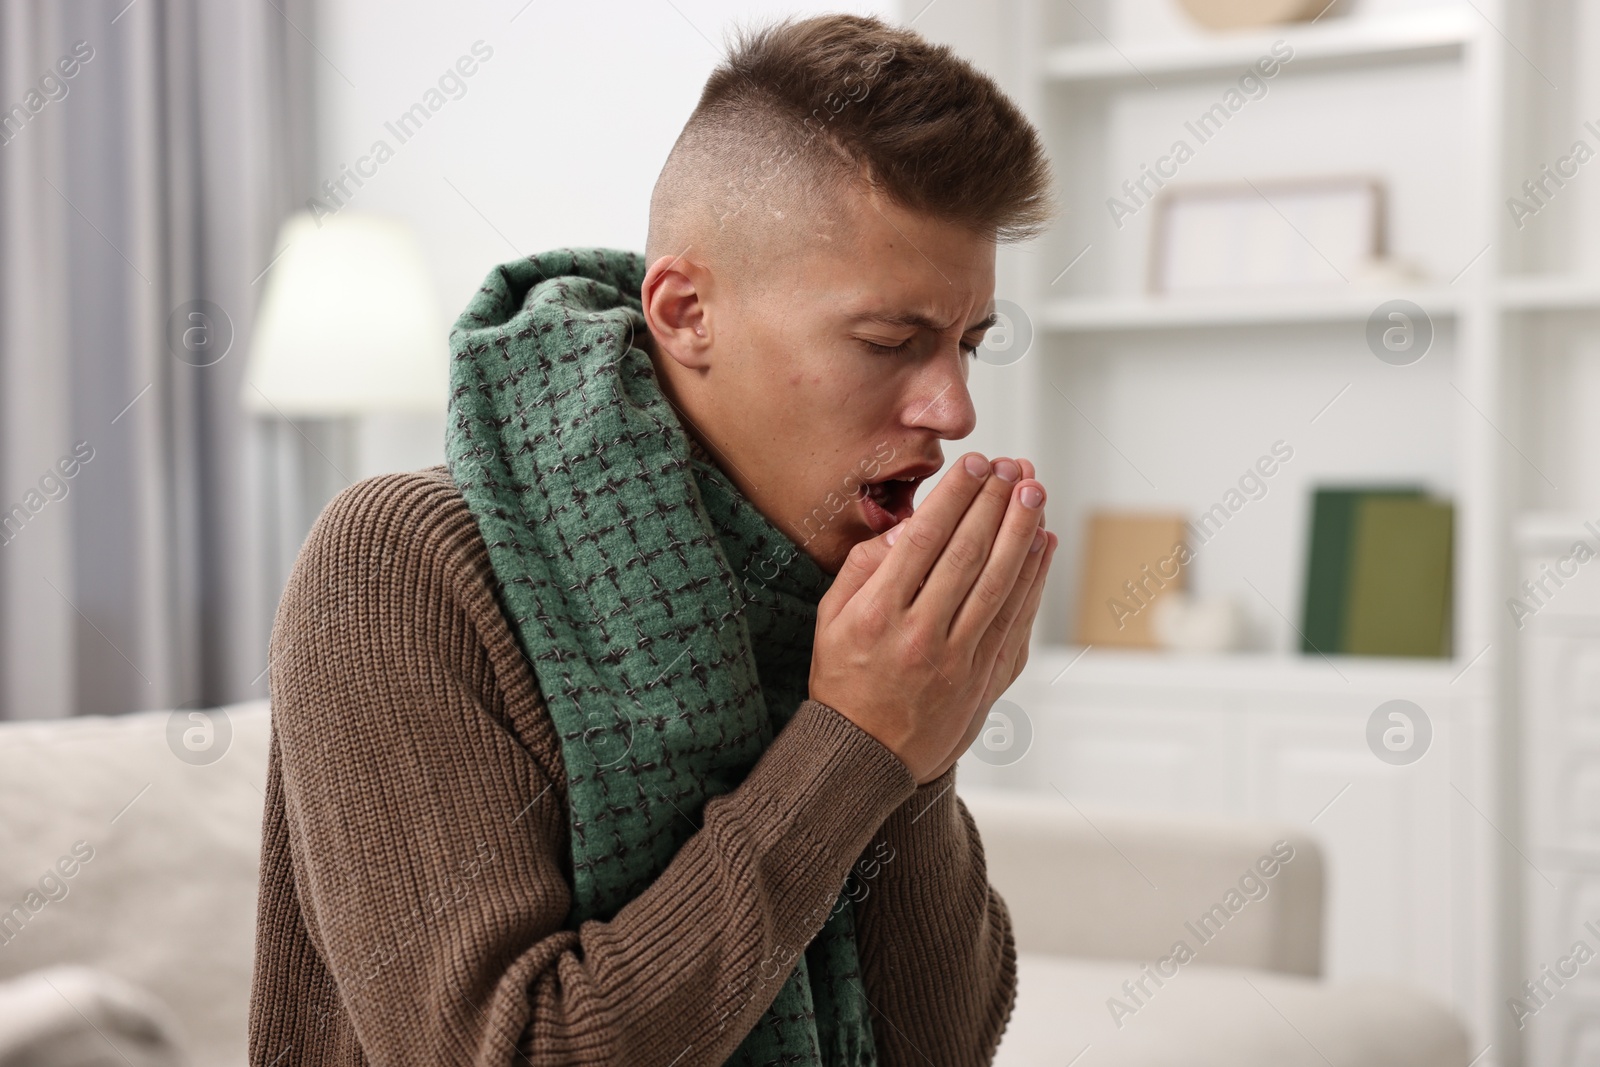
x,y
349,324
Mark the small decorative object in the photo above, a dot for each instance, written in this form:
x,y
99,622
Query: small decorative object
x,y
1130,562
1239,14
1183,623
1265,235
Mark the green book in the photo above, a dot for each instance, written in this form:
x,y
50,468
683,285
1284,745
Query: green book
x,y
1400,588
1333,520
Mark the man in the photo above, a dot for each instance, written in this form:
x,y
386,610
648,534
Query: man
x,y
630,737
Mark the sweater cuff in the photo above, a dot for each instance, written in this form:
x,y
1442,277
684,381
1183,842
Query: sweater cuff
x,y
827,780
923,822
813,802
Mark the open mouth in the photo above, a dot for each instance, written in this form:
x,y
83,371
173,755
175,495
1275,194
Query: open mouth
x,y
887,502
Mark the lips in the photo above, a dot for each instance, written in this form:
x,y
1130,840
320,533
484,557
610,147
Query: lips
x,y
887,501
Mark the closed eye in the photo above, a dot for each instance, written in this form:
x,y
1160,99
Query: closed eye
x,y
978,334
974,341
969,344
888,350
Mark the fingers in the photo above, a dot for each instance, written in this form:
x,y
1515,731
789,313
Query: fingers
x,y
1025,586
1013,641
998,579
1028,472
923,537
861,564
973,543
1014,622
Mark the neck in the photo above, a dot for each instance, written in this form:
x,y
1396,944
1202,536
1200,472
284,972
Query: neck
x,y
698,446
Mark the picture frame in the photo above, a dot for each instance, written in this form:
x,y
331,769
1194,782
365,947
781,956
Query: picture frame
x,y
1254,236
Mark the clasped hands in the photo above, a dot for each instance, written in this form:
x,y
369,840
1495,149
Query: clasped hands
x,y
927,624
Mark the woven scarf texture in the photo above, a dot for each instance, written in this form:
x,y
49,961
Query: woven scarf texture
x,y
668,621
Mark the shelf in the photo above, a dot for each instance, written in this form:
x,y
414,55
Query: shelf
x,y
1067,667
1550,292
1354,304
1549,532
1439,33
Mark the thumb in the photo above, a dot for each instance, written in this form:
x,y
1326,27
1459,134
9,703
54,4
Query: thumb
x,y
860,565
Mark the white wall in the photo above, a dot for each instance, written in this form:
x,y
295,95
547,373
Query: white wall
x,y
557,139
985,33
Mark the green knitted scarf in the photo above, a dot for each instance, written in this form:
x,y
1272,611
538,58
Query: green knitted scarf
x,y
668,621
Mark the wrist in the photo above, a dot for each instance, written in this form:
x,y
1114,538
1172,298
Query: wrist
x,y
874,732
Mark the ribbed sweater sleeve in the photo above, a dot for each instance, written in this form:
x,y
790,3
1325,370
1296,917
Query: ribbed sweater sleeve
x,y
935,938
416,867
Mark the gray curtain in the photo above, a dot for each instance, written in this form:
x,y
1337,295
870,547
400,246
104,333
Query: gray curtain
x,y
148,151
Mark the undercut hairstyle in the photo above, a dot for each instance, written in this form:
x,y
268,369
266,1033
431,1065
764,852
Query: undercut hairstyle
x,y
801,109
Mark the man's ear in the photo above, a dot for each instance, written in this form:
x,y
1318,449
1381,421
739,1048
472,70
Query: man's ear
x,y
674,295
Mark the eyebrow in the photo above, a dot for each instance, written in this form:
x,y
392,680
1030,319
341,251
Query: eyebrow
x,y
923,322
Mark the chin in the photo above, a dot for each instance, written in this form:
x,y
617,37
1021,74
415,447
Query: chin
x,y
831,557
830,549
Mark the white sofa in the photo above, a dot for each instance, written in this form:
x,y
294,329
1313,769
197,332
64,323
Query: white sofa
x,y
1099,899
167,903
165,906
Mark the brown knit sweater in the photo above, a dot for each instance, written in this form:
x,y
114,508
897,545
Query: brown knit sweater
x,y
416,872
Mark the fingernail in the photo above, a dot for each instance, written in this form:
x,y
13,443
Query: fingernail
x,y
1032,496
893,534
1038,542
977,466
1006,470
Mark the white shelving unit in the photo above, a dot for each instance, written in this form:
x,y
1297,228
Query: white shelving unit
x,y
1067,668
1106,314
1133,401
1561,702
1553,293
1341,42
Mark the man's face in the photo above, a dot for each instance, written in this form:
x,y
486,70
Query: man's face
x,y
835,368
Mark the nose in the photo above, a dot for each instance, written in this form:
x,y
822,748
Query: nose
x,y
941,402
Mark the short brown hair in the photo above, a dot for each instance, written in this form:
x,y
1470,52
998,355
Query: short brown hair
x,y
848,98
